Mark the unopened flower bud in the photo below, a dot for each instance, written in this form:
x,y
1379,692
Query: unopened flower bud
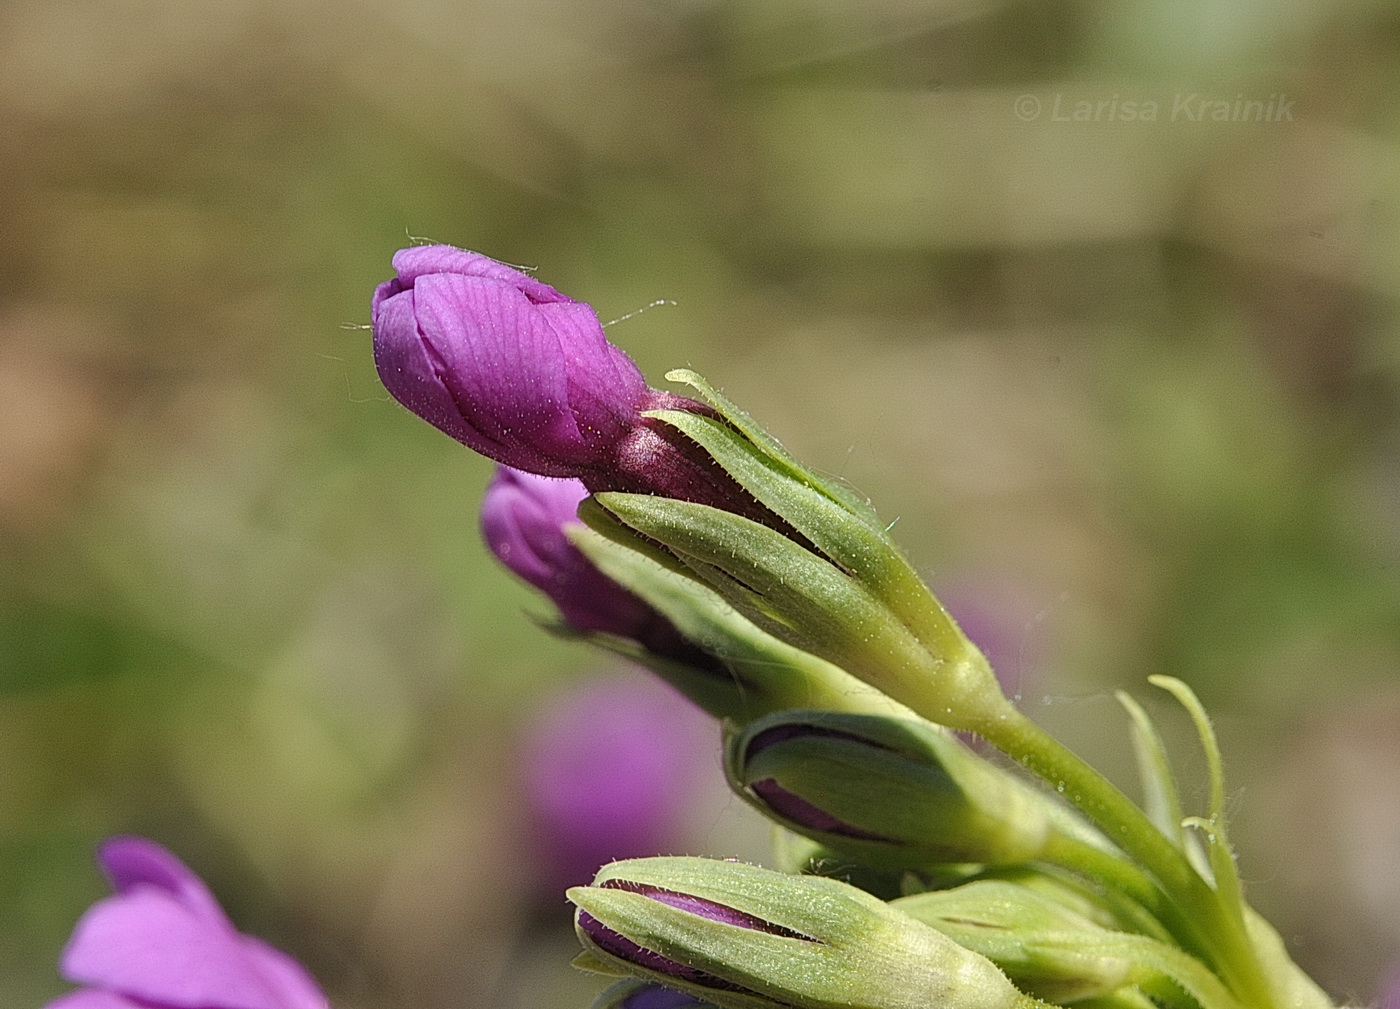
x,y
695,641
889,792
502,362
525,521
821,572
741,936
524,375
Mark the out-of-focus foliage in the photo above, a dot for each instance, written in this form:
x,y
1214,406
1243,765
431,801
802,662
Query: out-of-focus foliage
x,y
1135,379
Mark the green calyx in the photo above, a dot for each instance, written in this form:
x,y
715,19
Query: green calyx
x,y
905,794
822,944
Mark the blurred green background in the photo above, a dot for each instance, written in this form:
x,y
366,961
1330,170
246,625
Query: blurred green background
x,y
1130,385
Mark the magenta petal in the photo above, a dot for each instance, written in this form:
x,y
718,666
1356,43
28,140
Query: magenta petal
x,y
147,944
295,988
409,371
523,517
604,386
501,363
92,998
132,862
423,260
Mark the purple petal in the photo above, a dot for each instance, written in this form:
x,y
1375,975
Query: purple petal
x,y
604,386
412,375
523,517
523,520
93,998
295,988
794,808
703,907
501,362
624,948
133,862
148,944
422,260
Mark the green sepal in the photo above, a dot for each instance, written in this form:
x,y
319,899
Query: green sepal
x,y
1051,950
1162,802
805,600
927,796
854,542
771,447
833,946
765,673
588,961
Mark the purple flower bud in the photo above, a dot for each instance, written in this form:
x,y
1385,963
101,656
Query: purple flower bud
x,y
518,372
793,807
503,363
163,942
524,520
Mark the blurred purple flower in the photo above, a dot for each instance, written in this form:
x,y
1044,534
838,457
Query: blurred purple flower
x,y
1000,617
523,520
163,942
503,363
1390,993
614,767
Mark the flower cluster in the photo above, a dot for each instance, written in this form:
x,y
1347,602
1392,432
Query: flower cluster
x,y
915,869
672,529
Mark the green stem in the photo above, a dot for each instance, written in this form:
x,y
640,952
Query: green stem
x,y
1226,946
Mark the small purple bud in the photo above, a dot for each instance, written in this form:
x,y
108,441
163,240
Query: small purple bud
x,y
163,942
524,519
503,363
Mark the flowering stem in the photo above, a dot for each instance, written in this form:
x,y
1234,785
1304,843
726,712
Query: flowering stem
x,y
1216,934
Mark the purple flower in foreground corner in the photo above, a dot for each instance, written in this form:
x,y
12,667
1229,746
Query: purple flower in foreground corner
x,y
162,942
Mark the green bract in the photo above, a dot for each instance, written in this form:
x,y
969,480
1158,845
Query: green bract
x,y
832,582
767,674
